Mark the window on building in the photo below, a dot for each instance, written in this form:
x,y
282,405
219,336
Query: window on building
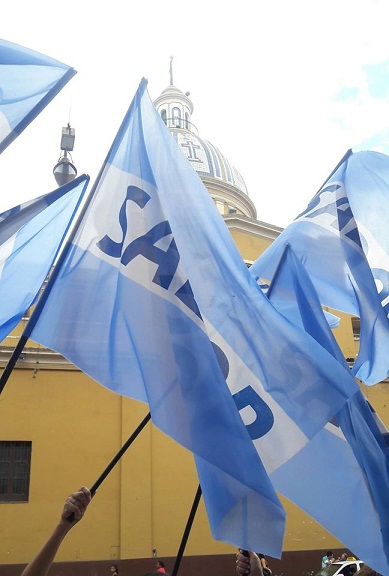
x,y
356,324
187,120
232,210
176,117
15,460
164,116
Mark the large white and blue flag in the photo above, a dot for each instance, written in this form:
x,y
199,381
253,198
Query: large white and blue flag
x,y
348,461
343,240
30,237
154,301
28,81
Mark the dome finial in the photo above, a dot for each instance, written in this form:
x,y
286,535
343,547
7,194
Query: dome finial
x,y
171,70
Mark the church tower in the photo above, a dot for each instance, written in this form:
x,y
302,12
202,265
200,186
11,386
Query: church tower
x,y
222,180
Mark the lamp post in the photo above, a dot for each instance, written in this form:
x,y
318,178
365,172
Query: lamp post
x,y
65,171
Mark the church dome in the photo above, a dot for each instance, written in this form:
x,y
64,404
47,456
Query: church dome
x,y
207,160
222,180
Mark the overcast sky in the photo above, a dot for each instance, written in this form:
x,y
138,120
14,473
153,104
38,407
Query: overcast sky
x,y
283,88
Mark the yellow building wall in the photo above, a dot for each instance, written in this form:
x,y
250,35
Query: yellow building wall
x,y
250,246
76,427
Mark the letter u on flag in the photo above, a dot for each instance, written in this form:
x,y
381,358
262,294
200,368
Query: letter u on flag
x,y
342,238
30,236
29,81
154,301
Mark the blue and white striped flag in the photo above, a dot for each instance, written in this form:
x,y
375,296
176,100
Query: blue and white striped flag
x,y
28,82
342,238
155,302
30,237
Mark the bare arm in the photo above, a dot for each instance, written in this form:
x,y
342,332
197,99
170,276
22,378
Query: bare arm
x,y
264,565
75,504
248,564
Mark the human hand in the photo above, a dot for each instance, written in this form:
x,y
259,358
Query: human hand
x,y
248,564
75,506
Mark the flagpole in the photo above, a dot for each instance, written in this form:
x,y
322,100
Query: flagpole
x,y
116,459
188,527
122,450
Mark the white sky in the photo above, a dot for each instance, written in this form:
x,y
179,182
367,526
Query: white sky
x,y
283,88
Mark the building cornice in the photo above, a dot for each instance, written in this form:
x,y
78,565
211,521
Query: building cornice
x,y
251,226
230,194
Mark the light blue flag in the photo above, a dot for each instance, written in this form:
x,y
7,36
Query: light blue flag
x,y
351,451
28,82
30,237
332,319
155,302
342,238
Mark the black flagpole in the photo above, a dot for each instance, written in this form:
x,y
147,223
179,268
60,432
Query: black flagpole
x,y
185,536
116,459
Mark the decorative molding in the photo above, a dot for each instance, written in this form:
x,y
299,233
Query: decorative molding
x,y
251,226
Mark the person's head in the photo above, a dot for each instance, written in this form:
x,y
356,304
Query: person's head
x,y
160,564
343,556
114,569
330,554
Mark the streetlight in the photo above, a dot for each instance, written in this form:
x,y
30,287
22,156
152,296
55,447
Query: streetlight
x,y
65,171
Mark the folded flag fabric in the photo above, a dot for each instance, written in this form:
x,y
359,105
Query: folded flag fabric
x,y
342,238
352,447
30,237
29,81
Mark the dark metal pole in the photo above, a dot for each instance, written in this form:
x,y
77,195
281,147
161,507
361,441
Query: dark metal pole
x,y
116,459
187,531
